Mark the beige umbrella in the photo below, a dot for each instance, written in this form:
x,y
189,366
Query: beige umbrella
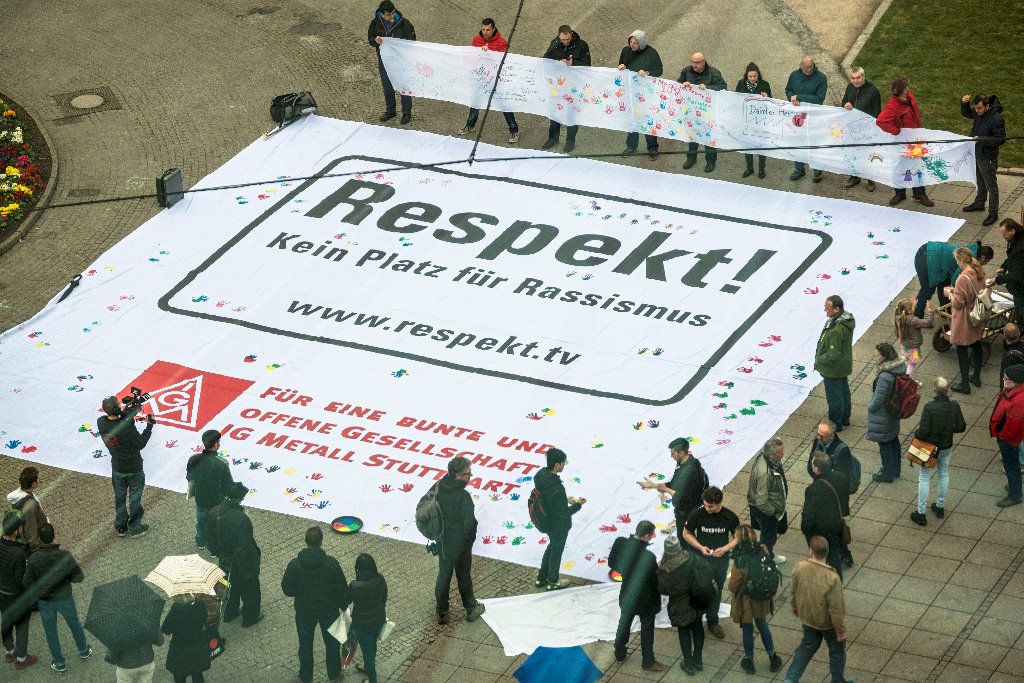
x,y
179,574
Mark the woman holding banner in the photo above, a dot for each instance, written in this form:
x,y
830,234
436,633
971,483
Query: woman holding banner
x,y
753,84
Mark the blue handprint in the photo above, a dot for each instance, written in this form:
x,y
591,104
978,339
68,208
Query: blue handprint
x,y
323,503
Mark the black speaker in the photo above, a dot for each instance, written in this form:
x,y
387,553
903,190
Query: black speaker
x,y
170,188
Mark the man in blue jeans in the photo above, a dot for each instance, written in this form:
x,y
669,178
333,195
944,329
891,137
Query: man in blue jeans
x,y
833,359
209,478
48,578
817,597
125,445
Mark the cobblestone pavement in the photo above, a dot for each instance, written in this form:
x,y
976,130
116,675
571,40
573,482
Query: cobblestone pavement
x,y
189,83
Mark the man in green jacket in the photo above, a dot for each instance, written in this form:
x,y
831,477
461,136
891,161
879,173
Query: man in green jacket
x,y
833,359
640,57
806,85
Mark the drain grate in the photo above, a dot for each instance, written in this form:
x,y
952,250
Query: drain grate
x,y
87,101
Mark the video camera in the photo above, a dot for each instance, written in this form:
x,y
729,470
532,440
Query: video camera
x,y
133,403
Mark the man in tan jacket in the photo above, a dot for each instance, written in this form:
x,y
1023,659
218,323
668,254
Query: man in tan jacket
x,y
818,602
766,495
24,501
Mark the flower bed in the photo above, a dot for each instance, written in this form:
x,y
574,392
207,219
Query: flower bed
x,y
24,165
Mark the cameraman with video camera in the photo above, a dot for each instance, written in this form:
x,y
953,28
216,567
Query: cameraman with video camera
x,y
122,439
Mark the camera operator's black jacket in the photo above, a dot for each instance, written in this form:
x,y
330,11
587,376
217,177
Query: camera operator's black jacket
x,y
124,442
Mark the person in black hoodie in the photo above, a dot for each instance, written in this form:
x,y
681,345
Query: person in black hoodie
x,y
230,538
638,596
369,601
826,502
828,442
209,478
321,592
1011,273
14,605
571,50
125,444
640,57
940,419
988,128
559,509
687,483
455,547
48,578
390,23
753,84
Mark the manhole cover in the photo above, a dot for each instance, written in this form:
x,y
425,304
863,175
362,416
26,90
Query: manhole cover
x,y
90,101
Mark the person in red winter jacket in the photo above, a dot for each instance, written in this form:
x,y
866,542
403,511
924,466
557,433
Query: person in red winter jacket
x,y
489,38
901,111
1007,426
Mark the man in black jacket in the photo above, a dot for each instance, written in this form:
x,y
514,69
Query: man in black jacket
x,y
571,50
862,95
455,547
828,442
48,578
638,596
390,23
1013,348
704,76
559,510
317,582
230,538
1011,273
14,604
640,57
209,478
826,502
986,114
125,444
687,483
941,418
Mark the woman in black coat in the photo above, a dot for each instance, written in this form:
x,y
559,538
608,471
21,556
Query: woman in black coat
x,y
753,84
369,599
188,653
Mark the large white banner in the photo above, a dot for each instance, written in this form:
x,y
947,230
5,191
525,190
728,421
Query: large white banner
x,y
626,101
352,332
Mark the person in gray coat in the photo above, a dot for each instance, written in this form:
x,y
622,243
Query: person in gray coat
x,y
883,426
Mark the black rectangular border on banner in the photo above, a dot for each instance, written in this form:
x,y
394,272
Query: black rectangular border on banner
x,y
702,371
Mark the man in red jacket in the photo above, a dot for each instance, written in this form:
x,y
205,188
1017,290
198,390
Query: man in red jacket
x,y
901,111
1007,426
489,38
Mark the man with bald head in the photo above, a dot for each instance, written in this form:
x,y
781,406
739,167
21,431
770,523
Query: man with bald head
x,y
806,85
700,74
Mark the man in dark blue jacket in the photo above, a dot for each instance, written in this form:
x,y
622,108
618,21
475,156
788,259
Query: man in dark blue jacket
x,y
571,50
208,478
388,22
987,127
638,596
862,95
321,592
806,85
559,510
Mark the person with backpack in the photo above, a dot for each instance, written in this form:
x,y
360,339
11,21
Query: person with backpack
x,y
1007,427
940,419
753,582
15,608
766,494
686,485
817,597
558,509
826,502
455,546
677,575
317,583
23,500
709,530
230,538
208,478
638,594
843,460
883,423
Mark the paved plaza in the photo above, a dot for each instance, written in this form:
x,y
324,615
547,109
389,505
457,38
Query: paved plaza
x,y
188,84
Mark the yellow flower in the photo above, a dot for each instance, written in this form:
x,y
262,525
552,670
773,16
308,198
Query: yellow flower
x,y
23,188
13,172
9,208
10,113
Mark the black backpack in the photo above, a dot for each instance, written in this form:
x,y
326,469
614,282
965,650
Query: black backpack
x,y
206,483
763,577
286,108
538,515
429,519
703,588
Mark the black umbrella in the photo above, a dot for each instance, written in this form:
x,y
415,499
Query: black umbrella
x,y
124,613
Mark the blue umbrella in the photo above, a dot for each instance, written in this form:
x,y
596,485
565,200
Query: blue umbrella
x,y
558,665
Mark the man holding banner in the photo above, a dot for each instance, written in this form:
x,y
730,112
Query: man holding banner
x,y
704,76
571,50
863,96
640,57
806,85
390,23
490,38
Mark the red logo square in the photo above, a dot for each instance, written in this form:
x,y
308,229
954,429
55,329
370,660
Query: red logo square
x,y
185,397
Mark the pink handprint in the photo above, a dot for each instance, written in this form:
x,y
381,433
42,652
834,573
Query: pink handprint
x,y
488,540
624,519
405,488
385,488
289,491
170,444
502,540
608,528
316,476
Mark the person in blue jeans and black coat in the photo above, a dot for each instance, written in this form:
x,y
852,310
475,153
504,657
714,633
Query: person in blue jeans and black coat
x,y
455,547
125,444
638,595
369,611
940,419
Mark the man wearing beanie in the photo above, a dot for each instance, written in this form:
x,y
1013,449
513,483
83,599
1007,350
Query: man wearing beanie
x,y
638,596
1007,427
208,479
229,537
